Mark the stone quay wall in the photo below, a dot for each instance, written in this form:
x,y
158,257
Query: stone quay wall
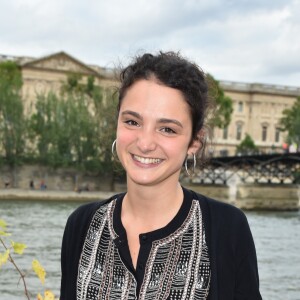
x,y
63,183
268,197
254,196
61,179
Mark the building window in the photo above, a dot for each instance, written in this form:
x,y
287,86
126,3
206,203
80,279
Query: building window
x,y
225,133
277,135
240,107
264,133
239,128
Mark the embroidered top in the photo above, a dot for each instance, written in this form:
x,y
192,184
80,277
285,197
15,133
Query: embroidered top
x,y
173,262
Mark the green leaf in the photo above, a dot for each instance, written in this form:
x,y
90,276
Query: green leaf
x,y
18,247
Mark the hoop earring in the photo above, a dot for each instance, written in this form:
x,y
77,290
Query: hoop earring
x,y
194,164
113,148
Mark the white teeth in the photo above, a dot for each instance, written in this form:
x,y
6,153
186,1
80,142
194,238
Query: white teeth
x,y
146,160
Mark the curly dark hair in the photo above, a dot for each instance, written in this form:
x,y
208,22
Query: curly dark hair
x,y
172,70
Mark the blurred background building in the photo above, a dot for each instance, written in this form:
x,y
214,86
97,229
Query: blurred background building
x,y
257,107
257,112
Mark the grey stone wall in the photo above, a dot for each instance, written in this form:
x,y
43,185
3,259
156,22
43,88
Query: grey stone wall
x,y
268,197
254,196
66,179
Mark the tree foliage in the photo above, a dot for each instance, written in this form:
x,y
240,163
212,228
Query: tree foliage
x,y
102,107
224,106
63,131
77,127
247,146
12,120
290,122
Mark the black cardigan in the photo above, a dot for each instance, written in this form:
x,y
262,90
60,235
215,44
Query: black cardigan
x,y
230,243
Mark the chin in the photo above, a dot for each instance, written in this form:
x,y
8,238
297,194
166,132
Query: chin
x,y
143,181
152,179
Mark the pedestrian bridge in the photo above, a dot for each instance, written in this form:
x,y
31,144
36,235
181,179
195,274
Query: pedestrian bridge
x,y
269,169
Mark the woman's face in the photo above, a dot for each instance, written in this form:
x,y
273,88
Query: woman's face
x,y
154,133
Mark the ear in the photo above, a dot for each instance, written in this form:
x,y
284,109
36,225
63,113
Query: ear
x,y
196,144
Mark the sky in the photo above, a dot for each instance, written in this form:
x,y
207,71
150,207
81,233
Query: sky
x,y
254,41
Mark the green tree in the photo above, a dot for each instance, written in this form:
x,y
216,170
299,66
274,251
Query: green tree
x,y
102,104
42,124
76,128
105,105
223,103
12,119
63,131
290,122
247,146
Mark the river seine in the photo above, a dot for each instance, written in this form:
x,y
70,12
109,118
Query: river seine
x,y
40,225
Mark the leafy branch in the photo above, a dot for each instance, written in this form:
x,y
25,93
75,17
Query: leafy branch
x,y
18,248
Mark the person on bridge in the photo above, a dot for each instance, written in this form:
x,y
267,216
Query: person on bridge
x,y
159,240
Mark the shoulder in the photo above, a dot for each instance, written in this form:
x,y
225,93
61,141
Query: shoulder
x,y
79,221
227,225
220,214
82,216
217,207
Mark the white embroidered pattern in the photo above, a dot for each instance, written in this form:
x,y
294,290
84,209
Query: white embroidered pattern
x,y
178,266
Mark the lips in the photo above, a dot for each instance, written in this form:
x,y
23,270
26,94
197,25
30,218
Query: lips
x,y
147,160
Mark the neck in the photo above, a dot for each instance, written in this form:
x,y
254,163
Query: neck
x,y
153,207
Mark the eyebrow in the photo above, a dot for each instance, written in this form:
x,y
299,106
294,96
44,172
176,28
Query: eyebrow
x,y
162,120
167,121
132,113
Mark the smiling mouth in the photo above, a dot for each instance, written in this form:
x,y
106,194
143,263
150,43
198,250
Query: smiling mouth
x,y
147,160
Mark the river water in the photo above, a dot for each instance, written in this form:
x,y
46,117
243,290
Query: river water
x,y
40,225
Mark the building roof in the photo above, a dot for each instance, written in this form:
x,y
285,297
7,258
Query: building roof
x,y
73,64
260,88
32,62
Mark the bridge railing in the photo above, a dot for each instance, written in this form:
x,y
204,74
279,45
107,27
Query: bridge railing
x,y
270,169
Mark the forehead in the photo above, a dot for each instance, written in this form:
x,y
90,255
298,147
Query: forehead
x,y
147,96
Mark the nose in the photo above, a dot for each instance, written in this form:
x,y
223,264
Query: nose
x,y
146,141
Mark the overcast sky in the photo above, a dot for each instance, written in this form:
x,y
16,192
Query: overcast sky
x,y
237,40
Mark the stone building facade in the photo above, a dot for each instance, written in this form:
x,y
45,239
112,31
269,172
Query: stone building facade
x,y
257,107
257,111
49,72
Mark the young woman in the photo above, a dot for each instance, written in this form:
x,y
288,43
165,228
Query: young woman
x,y
159,240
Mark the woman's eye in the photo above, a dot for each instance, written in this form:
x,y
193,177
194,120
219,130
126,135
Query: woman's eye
x,y
131,123
168,130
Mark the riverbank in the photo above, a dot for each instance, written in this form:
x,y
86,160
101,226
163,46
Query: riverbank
x,y
243,196
48,195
